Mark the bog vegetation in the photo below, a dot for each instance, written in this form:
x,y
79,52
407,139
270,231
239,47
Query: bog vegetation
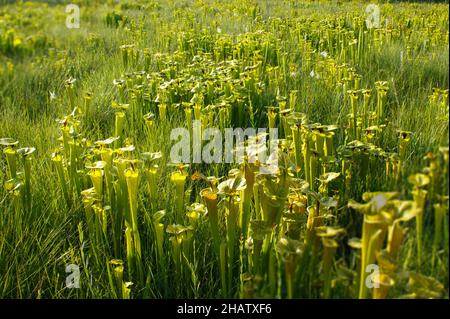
x,y
358,207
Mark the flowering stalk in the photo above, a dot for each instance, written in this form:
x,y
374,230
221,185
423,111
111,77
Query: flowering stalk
x,y
57,160
404,139
311,224
87,104
117,280
313,168
152,183
179,179
149,119
147,59
439,214
76,183
366,96
372,240
329,250
223,268
223,118
232,214
176,252
285,124
272,116
354,105
197,111
11,159
131,254
181,240
118,127
297,137
396,236
126,291
320,143
211,200
88,199
382,89
96,176
132,179
101,223
247,195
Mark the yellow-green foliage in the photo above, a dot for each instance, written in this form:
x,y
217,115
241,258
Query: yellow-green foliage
x,y
356,109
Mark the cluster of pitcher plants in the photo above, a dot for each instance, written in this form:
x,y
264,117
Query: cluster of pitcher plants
x,y
339,215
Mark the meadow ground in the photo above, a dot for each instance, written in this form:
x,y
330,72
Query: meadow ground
x,y
359,95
